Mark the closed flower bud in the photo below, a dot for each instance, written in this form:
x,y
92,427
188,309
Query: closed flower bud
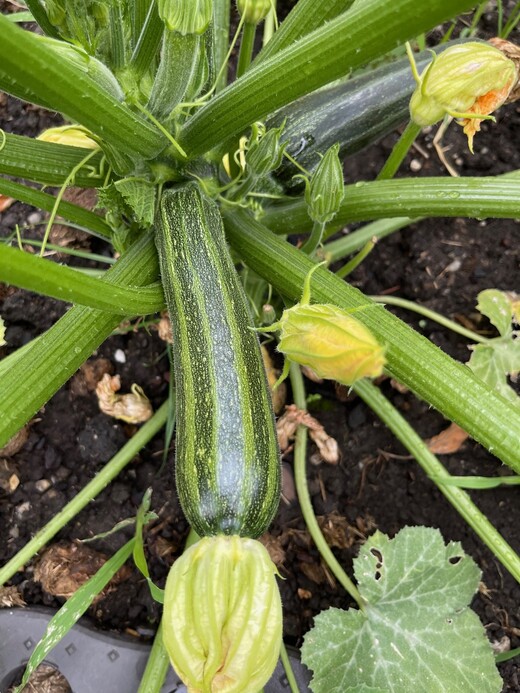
x,y
265,153
222,620
324,192
186,16
70,135
331,342
468,81
254,11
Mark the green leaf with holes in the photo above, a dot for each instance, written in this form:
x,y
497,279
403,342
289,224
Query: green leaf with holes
x,y
416,632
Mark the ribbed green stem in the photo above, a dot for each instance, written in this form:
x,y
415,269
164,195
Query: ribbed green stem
x,y
87,220
314,239
412,359
305,17
291,679
337,250
433,468
40,16
300,478
221,20
350,266
400,150
116,37
30,379
148,43
139,11
50,279
87,494
477,198
368,30
47,162
28,66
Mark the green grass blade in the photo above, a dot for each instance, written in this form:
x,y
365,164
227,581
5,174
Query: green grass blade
x,y
504,656
435,377
74,608
83,217
47,162
46,277
30,379
143,517
478,482
370,29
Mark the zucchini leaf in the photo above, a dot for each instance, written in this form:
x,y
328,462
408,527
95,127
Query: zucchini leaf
x,y
416,632
499,357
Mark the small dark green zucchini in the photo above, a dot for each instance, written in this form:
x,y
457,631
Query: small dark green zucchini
x,y
355,113
227,459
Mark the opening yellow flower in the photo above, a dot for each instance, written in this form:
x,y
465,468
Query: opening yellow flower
x,y
467,82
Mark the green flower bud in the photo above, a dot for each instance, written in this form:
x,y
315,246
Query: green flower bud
x,y
324,192
222,621
328,340
468,81
186,16
265,154
254,11
331,342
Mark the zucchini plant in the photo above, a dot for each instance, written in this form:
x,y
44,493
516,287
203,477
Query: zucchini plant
x,y
186,161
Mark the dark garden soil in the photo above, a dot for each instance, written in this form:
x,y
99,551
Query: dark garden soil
x,y
441,263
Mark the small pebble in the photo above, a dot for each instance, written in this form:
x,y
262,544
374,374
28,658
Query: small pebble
x,y
23,508
415,165
119,356
42,485
34,218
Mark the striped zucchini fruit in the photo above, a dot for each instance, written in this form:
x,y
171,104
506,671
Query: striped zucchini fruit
x,y
227,458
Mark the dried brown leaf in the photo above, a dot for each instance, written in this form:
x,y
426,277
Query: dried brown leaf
x,y
448,441
63,568
278,396
133,407
164,328
274,547
292,418
5,203
10,596
16,443
86,379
